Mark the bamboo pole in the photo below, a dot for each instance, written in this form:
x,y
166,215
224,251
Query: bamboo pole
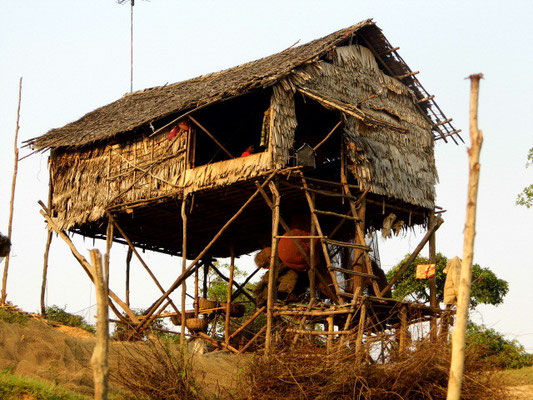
x,y
360,333
463,301
12,199
331,329
46,248
108,243
183,268
272,269
128,268
228,297
403,331
432,281
253,339
99,359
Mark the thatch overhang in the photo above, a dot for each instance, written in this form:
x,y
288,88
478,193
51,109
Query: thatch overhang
x,y
140,109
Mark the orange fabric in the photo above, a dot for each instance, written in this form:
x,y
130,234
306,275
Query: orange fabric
x,y
289,253
246,153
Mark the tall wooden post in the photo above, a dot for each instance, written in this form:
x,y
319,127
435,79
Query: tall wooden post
x,y
403,330
12,200
463,301
108,243
432,281
99,359
272,269
360,333
128,268
47,245
312,266
183,267
227,332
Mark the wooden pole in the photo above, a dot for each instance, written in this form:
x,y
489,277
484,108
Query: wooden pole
x,y
108,244
128,270
46,247
403,331
12,200
432,281
206,274
99,359
463,301
211,136
360,333
272,269
183,268
227,333
331,329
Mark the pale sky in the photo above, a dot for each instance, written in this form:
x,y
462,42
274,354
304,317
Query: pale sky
x,y
74,57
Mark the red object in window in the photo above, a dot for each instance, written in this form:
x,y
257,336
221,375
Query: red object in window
x,y
246,153
173,132
289,253
184,124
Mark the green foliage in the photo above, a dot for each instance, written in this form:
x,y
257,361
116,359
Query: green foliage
x,y
495,350
124,332
58,314
218,290
13,387
525,198
13,317
487,288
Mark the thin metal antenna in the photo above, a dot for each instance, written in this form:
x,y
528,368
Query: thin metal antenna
x,y
132,3
131,46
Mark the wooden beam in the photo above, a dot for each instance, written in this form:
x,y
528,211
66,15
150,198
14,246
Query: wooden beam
x,y
248,322
211,136
327,136
228,296
183,269
272,273
413,255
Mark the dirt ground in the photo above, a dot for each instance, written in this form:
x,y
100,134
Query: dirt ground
x,y
62,355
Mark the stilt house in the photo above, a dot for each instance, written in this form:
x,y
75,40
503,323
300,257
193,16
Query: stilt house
x,y
343,132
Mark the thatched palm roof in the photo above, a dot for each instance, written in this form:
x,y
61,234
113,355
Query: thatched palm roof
x,y
143,107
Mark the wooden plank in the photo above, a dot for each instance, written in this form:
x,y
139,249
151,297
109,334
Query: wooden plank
x,y
272,273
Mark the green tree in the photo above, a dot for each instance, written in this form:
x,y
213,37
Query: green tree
x,y
525,198
495,350
487,288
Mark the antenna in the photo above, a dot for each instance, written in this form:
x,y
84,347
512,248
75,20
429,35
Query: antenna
x,y
132,3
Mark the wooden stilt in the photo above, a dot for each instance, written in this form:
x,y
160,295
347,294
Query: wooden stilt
x,y
239,287
360,333
248,322
183,267
432,281
272,269
108,244
206,274
47,245
227,333
128,267
331,329
243,285
196,293
403,331
45,271
312,266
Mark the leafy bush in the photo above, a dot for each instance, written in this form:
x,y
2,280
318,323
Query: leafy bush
x,y
13,317
495,350
58,314
125,332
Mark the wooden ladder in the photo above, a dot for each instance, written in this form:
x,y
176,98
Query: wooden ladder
x,y
358,219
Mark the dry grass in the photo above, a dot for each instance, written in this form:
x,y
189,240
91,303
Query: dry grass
x,y
156,370
304,373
